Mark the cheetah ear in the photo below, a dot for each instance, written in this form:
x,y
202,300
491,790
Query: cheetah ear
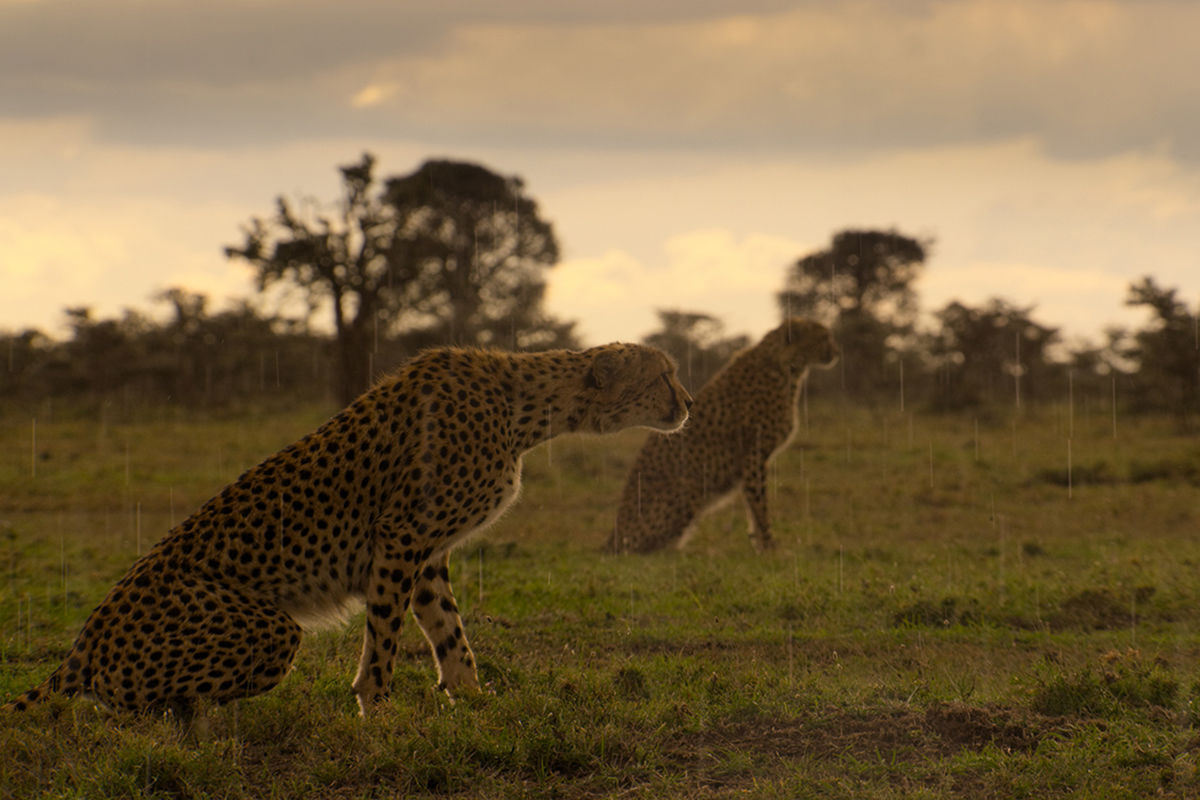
x,y
605,367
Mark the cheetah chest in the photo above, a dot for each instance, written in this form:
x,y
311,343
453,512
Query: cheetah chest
x,y
497,498
507,491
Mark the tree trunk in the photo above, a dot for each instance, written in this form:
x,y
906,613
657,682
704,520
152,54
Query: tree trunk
x,y
353,372
353,357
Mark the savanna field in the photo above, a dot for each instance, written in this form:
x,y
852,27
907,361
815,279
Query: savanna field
x,y
988,607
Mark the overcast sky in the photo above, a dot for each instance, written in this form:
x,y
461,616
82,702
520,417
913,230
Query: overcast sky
x,y
685,150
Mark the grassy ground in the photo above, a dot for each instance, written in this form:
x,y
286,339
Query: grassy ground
x,y
958,608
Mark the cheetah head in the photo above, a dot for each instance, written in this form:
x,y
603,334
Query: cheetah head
x,y
632,385
803,343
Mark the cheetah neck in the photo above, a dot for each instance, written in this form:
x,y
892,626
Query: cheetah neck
x,y
549,395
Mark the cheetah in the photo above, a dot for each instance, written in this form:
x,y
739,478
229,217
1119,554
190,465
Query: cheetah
x,y
362,511
742,417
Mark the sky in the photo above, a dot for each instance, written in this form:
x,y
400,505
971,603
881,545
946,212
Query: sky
x,y
686,151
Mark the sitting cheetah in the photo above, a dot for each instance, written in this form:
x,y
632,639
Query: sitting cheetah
x,y
365,508
742,418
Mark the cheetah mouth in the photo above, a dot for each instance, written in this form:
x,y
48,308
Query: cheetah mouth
x,y
674,421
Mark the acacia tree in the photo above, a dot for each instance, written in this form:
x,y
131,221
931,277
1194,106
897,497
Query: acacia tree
x,y
861,285
477,249
1168,352
698,343
201,358
346,260
989,354
449,254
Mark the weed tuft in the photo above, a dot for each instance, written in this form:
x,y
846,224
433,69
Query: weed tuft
x,y
1032,549
950,612
630,684
1123,681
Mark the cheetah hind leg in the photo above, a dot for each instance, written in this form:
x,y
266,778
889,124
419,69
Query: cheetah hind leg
x,y
208,645
436,612
255,644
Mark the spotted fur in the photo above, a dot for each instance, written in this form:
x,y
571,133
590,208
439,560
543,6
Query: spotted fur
x,y
365,509
741,419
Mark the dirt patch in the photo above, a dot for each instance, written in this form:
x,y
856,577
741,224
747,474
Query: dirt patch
x,y
1095,474
654,645
964,727
1099,610
893,735
1184,470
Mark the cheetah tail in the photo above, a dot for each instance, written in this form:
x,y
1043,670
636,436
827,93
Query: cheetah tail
x,y
65,680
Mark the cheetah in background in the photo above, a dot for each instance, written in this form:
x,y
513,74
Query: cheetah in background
x,y
366,508
742,417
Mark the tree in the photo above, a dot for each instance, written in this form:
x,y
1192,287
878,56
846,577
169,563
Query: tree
x,y
862,287
199,358
24,356
1168,352
100,357
450,253
994,353
698,343
478,249
1096,368
347,261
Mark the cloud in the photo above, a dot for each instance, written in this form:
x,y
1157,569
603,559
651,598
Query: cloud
x,y
107,256
1081,302
616,295
1007,220
107,225
1086,77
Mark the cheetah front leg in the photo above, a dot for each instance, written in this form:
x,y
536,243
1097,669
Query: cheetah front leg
x,y
389,586
437,614
754,490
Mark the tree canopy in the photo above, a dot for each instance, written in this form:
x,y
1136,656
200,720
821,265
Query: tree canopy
x,y
861,285
477,249
698,343
994,353
861,272
1167,352
450,254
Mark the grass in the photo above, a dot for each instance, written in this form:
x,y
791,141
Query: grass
x,y
953,610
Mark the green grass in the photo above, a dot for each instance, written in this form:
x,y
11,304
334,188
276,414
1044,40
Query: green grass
x,y
951,612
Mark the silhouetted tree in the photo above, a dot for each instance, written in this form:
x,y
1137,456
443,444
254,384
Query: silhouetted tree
x,y
698,343
861,285
450,253
347,259
478,249
212,359
99,357
134,362
24,356
992,354
1168,352
1095,370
